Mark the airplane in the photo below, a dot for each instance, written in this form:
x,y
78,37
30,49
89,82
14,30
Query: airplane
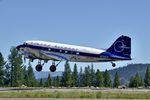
x,y
120,50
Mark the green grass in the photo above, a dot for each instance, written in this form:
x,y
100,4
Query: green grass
x,y
75,94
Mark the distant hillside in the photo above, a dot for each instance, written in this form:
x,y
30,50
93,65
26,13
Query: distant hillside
x,y
128,71
125,72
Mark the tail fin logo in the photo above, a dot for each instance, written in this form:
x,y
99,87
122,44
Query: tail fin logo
x,y
119,46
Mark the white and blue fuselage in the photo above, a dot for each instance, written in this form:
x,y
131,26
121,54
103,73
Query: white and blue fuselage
x,y
120,50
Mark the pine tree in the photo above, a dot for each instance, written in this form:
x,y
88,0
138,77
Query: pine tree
x,y
48,83
41,84
87,76
62,82
107,79
131,82
31,78
135,81
7,79
92,74
2,73
15,62
116,80
57,81
80,78
75,76
66,80
26,78
141,82
99,81
147,77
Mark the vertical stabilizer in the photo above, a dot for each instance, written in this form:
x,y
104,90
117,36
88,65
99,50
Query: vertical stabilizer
x,y
121,47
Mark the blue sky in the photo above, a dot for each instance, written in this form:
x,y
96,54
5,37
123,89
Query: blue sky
x,y
93,23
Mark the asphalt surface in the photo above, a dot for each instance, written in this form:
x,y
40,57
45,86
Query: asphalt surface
x,y
58,99
70,89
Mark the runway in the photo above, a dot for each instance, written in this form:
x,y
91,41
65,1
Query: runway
x,y
70,89
58,99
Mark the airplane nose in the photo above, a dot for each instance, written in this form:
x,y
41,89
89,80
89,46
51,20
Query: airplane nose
x,y
18,47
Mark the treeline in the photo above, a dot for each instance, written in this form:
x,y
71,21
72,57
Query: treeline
x,y
89,77
86,78
14,73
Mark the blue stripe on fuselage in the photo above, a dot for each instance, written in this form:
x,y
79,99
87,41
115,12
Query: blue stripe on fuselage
x,y
61,57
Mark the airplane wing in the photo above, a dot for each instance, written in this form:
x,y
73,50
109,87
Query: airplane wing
x,y
53,56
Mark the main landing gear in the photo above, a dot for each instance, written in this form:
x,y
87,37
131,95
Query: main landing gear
x,y
52,68
39,66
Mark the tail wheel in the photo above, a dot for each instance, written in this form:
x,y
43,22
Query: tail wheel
x,y
38,67
52,68
113,64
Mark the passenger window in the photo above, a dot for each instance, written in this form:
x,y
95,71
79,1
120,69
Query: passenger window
x,y
77,53
66,51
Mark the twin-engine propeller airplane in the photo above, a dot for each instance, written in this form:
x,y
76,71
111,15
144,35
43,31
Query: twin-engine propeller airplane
x,y
41,50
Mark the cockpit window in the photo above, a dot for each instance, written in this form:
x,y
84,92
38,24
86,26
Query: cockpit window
x,y
77,53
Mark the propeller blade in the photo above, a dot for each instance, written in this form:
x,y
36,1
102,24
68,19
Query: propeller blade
x,y
24,59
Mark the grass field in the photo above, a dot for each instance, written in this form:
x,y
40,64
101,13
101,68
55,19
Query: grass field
x,y
77,93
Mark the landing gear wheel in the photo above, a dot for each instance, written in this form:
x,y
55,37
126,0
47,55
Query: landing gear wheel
x,y
38,67
52,68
